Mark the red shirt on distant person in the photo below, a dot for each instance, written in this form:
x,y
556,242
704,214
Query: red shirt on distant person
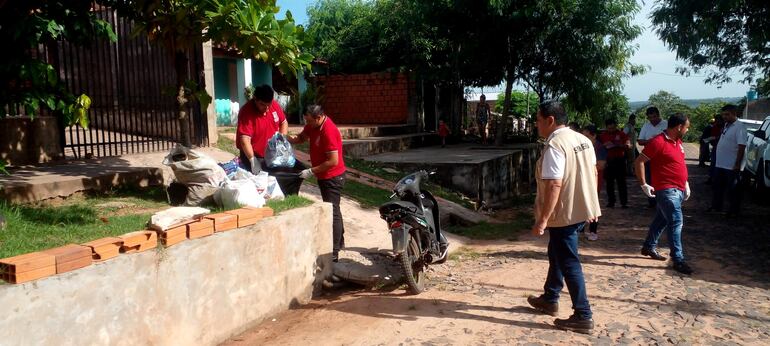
x,y
618,138
667,164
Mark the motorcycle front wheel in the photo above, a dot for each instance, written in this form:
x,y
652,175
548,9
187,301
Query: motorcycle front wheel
x,y
412,264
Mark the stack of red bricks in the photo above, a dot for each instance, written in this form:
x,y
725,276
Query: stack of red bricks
x,y
37,265
377,98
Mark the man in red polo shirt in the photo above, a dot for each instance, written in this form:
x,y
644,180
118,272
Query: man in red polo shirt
x,y
669,188
616,142
327,165
258,120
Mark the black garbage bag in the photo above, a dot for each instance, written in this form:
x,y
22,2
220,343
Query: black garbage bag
x,y
288,177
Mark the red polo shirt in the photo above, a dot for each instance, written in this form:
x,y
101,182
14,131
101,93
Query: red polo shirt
x,y
260,127
618,138
324,139
666,162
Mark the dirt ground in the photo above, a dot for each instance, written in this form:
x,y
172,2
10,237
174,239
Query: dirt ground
x,y
479,296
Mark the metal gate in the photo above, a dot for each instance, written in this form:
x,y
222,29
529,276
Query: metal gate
x,y
126,80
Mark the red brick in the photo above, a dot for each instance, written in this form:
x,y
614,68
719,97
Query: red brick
x,y
139,241
223,222
71,257
169,241
246,216
26,262
39,273
200,229
105,248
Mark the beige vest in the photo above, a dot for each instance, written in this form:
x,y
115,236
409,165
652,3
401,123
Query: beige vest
x,y
579,198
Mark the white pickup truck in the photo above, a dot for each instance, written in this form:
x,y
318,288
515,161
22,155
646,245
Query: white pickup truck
x,y
758,156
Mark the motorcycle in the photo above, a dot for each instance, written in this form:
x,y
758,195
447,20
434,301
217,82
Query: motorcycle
x,y
413,221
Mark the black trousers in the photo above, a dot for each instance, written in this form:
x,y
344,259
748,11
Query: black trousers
x,y
331,189
616,173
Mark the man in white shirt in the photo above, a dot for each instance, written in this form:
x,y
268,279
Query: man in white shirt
x,y
651,128
729,162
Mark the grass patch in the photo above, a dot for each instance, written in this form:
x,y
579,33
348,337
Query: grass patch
x,y
228,145
290,202
367,196
226,129
30,229
84,218
494,231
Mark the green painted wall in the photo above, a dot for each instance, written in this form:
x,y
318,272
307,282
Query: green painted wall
x,y
261,73
222,84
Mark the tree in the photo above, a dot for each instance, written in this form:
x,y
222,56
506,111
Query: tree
x,y
717,36
574,48
27,79
700,117
519,103
248,26
667,103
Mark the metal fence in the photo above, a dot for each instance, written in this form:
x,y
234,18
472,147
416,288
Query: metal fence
x,y
126,80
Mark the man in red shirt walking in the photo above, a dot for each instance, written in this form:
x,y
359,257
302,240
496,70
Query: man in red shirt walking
x,y
669,188
327,165
616,142
258,120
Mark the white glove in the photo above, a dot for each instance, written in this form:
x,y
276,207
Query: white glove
x,y
255,166
686,190
648,190
307,173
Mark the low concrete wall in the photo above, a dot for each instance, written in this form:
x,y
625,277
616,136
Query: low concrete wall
x,y
29,141
199,292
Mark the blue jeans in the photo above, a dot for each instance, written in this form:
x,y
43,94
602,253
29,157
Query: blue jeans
x,y
668,216
564,266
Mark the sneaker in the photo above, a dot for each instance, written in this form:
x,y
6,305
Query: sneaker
x,y
592,236
575,324
543,306
683,268
653,254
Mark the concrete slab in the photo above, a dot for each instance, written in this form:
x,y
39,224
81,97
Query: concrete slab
x,y
492,175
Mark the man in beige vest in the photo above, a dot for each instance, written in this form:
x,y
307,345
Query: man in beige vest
x,y
566,198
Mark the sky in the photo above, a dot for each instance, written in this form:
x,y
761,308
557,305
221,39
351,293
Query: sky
x,y
651,52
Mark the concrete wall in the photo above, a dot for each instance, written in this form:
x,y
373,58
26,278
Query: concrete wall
x,y
376,98
27,141
199,292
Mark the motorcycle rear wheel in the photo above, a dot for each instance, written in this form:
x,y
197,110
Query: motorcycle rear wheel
x,y
412,265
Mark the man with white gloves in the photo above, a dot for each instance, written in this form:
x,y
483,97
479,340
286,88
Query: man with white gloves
x,y
327,165
669,187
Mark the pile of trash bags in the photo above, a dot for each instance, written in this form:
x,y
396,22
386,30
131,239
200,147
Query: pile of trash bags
x,y
200,180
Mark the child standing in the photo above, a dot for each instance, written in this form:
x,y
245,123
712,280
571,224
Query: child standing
x,y
443,132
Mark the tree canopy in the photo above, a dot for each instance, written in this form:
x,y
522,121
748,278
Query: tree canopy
x,y
717,37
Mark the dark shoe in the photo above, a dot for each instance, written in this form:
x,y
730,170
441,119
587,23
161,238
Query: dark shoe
x,y
683,268
611,205
575,324
653,254
624,206
543,306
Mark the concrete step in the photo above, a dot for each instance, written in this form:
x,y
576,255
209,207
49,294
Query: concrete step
x,y
358,148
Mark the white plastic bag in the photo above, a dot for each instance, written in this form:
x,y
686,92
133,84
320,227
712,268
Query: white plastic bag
x,y
237,193
261,182
164,219
273,189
